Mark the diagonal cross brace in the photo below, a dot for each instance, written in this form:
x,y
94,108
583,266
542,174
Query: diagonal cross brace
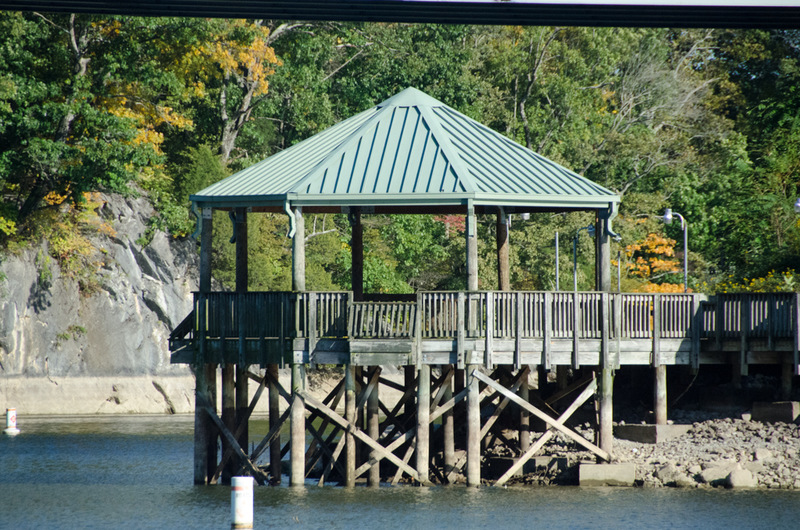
x,y
234,444
544,417
358,433
545,437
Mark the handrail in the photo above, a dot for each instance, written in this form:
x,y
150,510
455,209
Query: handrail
x,y
496,314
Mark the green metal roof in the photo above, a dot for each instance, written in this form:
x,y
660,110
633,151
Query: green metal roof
x,y
411,150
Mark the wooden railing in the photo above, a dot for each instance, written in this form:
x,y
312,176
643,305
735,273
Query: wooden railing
x,y
500,315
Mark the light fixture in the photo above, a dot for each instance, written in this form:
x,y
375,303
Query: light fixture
x,y
669,215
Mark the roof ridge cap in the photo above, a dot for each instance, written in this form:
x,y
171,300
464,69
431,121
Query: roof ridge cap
x,y
461,170
352,137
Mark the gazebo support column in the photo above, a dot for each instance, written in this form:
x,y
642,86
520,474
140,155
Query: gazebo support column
x,y
357,255
606,379
205,433
503,272
299,252
471,233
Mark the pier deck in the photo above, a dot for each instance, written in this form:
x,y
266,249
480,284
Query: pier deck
x,y
490,328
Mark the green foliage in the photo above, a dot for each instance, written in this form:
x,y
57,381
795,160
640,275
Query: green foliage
x,y
703,121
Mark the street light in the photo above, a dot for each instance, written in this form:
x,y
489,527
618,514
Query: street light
x,y
589,230
668,216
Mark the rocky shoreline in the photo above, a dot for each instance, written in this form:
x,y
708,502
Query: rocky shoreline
x,y
726,452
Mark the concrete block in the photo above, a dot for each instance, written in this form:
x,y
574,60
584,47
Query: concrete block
x,y
650,434
607,474
778,411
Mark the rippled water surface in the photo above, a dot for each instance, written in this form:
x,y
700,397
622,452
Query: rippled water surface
x,y
136,472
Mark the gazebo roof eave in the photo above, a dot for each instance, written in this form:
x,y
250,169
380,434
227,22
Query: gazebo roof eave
x,y
428,200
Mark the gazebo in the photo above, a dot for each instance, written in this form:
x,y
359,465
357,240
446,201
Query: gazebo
x,y
409,154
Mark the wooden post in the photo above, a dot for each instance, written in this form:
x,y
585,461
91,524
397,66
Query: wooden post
x,y
205,433
606,438
423,444
374,427
298,426
524,415
603,283
659,369
473,428
503,274
350,416
242,402
448,426
228,415
660,394
408,381
471,233
357,255
602,252
274,420
299,252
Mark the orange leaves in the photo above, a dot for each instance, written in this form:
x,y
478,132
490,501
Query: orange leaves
x,y
650,256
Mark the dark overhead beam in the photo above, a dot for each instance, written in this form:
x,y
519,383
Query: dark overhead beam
x,y
448,12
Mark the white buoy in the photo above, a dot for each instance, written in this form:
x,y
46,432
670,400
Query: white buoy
x,y
242,502
11,422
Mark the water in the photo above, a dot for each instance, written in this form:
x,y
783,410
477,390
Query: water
x,y
136,472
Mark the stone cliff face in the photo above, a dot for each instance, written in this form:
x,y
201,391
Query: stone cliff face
x,y
49,329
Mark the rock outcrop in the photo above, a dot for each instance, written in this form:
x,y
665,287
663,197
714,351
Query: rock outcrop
x,y
51,330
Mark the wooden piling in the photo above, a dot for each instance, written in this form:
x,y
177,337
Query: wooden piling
x,y
473,428
242,398
374,427
660,394
228,415
350,416
448,428
423,421
205,433
298,426
606,391
524,415
274,421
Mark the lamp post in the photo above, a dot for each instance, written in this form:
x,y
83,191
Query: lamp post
x,y
589,230
668,217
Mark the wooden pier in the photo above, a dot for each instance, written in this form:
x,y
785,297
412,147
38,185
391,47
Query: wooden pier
x,y
482,345
466,356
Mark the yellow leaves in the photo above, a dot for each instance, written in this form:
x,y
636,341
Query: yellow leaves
x,y
127,101
249,61
774,281
54,198
7,226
